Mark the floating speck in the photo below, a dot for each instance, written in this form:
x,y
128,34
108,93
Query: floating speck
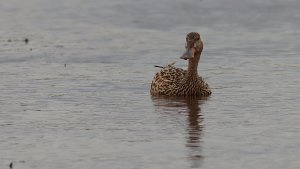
x,y
26,40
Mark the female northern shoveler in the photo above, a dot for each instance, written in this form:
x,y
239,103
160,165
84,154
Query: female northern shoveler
x,y
172,81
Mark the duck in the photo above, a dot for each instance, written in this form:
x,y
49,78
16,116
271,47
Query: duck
x,y
174,81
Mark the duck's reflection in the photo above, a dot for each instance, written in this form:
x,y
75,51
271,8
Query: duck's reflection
x,y
191,107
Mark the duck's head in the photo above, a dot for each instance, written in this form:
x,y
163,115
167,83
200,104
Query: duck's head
x,y
193,45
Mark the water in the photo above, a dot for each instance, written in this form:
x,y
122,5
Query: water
x,y
77,94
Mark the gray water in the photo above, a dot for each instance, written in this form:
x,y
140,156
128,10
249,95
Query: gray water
x,y
77,94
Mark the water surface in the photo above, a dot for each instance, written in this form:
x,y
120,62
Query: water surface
x,y
77,94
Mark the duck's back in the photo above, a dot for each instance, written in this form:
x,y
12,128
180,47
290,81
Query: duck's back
x,y
165,80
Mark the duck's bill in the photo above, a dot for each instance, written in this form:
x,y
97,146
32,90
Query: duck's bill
x,y
189,54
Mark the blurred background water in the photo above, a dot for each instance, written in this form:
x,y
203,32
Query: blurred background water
x,y
77,94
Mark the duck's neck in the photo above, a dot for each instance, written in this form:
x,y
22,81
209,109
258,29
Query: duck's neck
x,y
193,65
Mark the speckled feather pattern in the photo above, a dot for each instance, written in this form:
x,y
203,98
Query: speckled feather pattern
x,y
173,81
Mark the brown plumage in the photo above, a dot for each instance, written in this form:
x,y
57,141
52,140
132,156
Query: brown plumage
x,y
172,81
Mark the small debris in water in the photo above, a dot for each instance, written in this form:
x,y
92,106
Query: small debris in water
x,y
11,165
158,66
26,40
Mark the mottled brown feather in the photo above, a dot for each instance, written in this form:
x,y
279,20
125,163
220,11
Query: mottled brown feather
x,y
172,81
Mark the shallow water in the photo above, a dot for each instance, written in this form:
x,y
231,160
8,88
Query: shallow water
x,y
77,94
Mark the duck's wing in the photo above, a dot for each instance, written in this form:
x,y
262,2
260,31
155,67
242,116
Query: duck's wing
x,y
172,73
166,79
